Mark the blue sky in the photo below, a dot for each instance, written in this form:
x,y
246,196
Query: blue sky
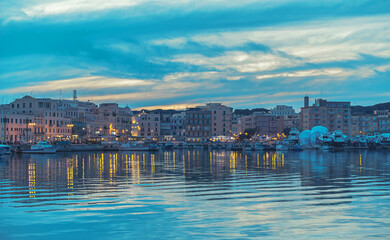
x,y
174,54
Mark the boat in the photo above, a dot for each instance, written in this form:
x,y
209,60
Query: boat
x,y
338,138
293,135
168,146
259,147
385,139
133,146
4,149
284,146
41,147
373,140
325,139
138,146
153,147
247,148
110,146
236,147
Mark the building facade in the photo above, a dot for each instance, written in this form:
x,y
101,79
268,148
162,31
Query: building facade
x,y
198,124
264,124
146,125
221,119
282,110
332,115
178,125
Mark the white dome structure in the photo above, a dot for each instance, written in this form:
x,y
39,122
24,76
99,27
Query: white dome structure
x,y
316,132
304,137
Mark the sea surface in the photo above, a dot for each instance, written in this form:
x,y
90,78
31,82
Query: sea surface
x,y
196,194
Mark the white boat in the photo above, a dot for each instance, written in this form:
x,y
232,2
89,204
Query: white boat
x,y
40,148
338,138
259,147
325,139
385,139
282,147
4,149
134,146
293,136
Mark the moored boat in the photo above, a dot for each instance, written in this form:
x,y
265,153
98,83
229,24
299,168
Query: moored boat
x,y
40,148
134,146
4,149
338,138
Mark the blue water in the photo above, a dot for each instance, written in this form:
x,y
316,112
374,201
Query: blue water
x,y
196,195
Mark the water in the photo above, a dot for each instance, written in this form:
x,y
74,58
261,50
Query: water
x,y
196,195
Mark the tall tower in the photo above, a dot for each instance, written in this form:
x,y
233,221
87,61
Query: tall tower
x,y
74,95
306,101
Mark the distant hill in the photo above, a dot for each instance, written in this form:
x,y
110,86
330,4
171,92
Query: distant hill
x,y
242,112
360,110
158,111
246,112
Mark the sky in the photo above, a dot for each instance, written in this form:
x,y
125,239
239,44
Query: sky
x,y
182,53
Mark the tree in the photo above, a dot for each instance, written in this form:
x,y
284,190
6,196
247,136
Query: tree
x,y
247,134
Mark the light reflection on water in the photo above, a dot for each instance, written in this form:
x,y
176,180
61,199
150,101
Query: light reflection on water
x,y
196,194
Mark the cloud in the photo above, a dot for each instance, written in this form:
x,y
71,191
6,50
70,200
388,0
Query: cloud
x,y
243,62
75,6
328,72
130,97
238,52
83,83
314,41
181,106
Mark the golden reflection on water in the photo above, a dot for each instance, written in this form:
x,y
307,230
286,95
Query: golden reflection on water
x,y
69,172
153,169
101,166
211,162
31,180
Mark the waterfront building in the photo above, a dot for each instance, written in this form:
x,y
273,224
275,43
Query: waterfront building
x,y
332,115
363,124
292,121
198,124
146,125
16,128
112,120
282,110
264,124
236,125
44,116
178,125
383,120
221,119
165,125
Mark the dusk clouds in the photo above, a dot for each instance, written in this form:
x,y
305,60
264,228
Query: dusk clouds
x,y
181,53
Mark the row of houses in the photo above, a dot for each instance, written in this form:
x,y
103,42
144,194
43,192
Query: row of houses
x,y
30,119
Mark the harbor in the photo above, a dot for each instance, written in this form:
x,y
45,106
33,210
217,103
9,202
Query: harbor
x,y
192,191
317,138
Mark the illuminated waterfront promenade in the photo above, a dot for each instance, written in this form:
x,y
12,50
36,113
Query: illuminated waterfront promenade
x,y
196,194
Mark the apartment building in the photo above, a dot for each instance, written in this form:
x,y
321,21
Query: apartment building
x,y
282,110
332,115
198,124
363,124
146,125
264,124
178,125
221,119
